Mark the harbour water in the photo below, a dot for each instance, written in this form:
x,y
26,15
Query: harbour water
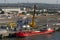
x,y
53,36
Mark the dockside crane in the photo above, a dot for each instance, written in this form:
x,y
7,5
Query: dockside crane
x,y
33,24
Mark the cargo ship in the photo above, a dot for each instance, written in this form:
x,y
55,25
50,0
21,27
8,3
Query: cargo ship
x,y
31,32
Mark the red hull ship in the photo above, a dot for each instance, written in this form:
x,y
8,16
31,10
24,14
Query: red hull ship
x,y
31,33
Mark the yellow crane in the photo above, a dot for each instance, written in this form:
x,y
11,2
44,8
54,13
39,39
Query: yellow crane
x,y
33,24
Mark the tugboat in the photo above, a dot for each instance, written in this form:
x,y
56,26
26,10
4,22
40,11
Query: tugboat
x,y
32,32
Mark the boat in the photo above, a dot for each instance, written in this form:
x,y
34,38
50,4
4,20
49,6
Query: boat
x,y
30,32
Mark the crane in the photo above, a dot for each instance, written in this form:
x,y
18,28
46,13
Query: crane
x,y
33,24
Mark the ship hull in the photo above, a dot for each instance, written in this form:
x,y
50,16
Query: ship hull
x,y
32,33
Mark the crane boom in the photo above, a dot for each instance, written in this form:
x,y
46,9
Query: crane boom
x,y
33,21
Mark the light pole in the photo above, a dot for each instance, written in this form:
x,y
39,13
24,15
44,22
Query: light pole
x,y
5,5
57,4
5,2
18,3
